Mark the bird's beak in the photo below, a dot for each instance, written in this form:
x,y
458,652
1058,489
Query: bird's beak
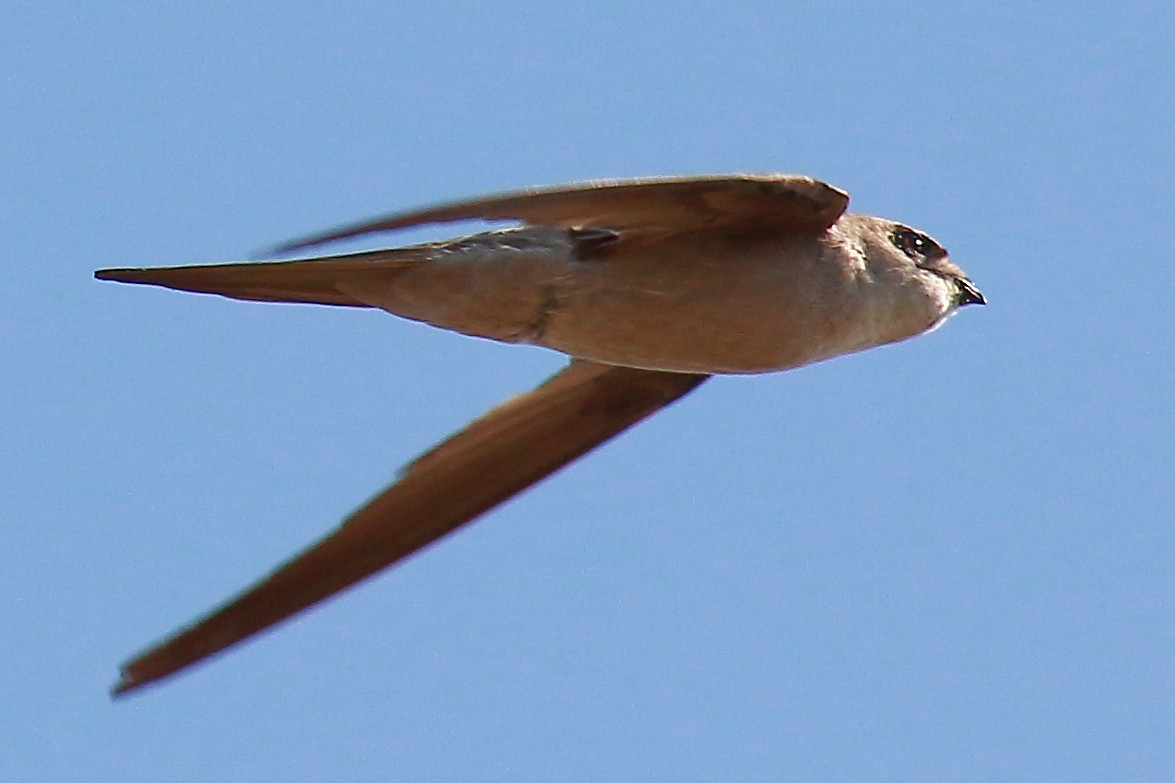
x,y
968,293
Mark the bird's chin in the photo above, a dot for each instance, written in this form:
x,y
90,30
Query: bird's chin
x,y
950,310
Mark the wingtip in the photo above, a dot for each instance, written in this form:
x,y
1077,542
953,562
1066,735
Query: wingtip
x,y
307,241
125,686
276,251
302,243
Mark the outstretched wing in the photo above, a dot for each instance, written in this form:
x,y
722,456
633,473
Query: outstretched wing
x,y
732,204
498,455
741,202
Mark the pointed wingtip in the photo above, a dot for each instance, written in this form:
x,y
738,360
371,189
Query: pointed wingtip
x,y
304,243
125,686
133,680
308,241
276,251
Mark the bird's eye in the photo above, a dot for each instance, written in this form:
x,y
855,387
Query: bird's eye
x,y
913,244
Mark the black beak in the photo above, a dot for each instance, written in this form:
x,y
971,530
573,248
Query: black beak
x,y
968,293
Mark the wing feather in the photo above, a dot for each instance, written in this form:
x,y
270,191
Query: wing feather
x,y
498,455
736,202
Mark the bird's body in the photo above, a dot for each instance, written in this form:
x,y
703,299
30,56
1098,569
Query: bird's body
x,y
651,286
685,304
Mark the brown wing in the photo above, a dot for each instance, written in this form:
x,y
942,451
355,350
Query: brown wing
x,y
750,201
510,448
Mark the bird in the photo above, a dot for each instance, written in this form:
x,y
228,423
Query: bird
x,y
650,286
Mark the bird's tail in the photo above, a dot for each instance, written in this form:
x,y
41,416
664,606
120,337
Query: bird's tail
x,y
311,280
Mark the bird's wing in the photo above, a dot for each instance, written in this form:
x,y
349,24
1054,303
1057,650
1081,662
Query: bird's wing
x,y
498,455
645,207
752,202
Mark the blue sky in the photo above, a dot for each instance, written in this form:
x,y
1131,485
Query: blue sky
x,y
948,559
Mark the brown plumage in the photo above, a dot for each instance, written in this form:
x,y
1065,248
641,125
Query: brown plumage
x,y
649,285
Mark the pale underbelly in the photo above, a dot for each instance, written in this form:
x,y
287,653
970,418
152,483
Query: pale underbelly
x,y
690,313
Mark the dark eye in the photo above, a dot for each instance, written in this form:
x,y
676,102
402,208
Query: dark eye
x,y
913,244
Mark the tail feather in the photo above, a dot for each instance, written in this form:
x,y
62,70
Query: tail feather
x,y
310,281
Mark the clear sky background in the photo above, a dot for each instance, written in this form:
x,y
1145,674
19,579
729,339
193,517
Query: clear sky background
x,y
950,559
